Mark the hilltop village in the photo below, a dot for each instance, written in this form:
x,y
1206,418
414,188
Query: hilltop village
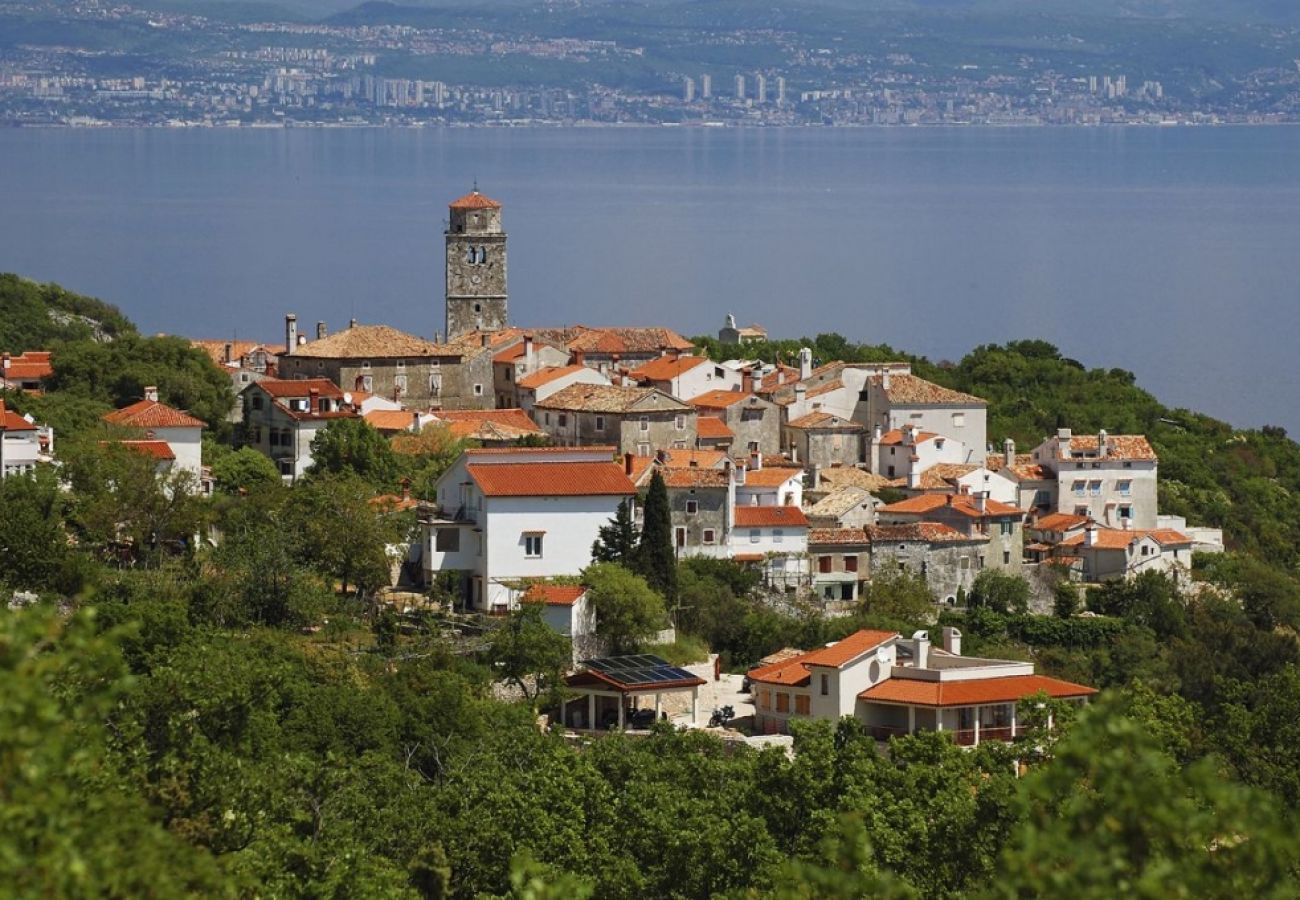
x,y
820,477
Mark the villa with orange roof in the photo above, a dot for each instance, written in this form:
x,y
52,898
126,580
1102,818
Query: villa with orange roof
x,y
1110,478
23,443
1109,554
897,686
906,453
505,517
152,421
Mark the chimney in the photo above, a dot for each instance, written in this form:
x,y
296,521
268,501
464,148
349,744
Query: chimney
x,y
579,358
290,332
227,354
627,464
1089,534
884,380
909,436
415,422
661,456
805,363
313,404
952,640
1009,452
1063,442
780,376
8,362
914,479
756,458
921,649
485,339
981,501
1101,444
740,474
321,331
816,479
151,393
948,499
529,363
352,323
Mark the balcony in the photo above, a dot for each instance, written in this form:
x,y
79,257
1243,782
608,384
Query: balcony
x,y
965,737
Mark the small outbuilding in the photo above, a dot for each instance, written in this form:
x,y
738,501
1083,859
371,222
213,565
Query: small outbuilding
x,y
613,689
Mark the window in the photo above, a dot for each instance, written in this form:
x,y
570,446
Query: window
x,y
1006,557
1094,488
765,699
709,536
401,365
533,545
782,703
447,540
645,423
679,445
851,562
823,564
801,704
963,563
692,507
826,684
1128,465
399,382
1078,488
1043,498
680,422
754,535
1126,512
643,449
600,423
1005,528
478,390
1081,510
981,565
257,401
365,365
435,384
367,382
564,420
778,535
753,446
1125,488
958,420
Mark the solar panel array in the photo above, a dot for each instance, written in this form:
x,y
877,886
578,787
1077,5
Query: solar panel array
x,y
640,670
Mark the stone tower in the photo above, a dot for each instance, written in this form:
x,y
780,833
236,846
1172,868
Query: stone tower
x,y
476,266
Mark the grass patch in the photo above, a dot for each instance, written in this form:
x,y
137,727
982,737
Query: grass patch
x,y
686,650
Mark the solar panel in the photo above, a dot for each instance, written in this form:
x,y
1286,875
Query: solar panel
x,y
639,670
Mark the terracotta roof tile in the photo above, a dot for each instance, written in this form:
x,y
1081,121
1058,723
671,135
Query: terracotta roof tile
x,y
11,421
33,365
551,479
370,342
770,476
152,414
1023,468
1119,539
818,536
840,501
930,532
963,503
770,516
160,450
666,368
845,651
712,428
1118,446
913,390
694,478
390,419
554,594
1007,689
844,476
825,420
615,340
718,399
1059,522
286,388
894,437
546,375
489,424
609,398
474,200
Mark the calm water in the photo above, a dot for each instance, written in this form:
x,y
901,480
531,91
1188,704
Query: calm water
x,y
1171,252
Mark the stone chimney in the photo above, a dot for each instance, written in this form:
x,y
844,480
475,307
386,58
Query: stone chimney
x,y
227,354
529,363
805,363
314,403
780,375
921,649
151,393
321,331
290,332
952,640
627,464
1009,452
1063,437
579,358
740,474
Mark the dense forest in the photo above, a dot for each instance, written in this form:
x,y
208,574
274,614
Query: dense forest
x,y
237,716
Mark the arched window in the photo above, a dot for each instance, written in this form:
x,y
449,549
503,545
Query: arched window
x,y
471,255
482,255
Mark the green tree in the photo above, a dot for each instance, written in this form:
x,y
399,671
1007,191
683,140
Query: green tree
x,y
898,595
35,316
656,560
528,653
628,610
999,591
1065,599
340,532
354,445
34,552
425,456
244,470
617,541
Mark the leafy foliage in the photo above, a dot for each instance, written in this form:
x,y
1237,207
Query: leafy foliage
x,y
37,316
628,610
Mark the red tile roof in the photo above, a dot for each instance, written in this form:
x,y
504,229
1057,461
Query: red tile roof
x,y
554,594
1119,539
604,449
931,532
837,536
719,399
821,419
11,421
1022,467
1059,522
474,200
547,375
895,436
712,428
793,670
152,414
157,449
773,516
770,476
1006,689
911,390
281,388
962,503
666,368
1118,446
390,419
492,424
551,479
30,366
679,477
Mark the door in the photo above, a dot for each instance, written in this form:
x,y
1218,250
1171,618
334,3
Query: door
x,y
681,537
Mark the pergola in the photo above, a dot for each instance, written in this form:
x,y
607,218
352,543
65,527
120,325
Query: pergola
x,y
608,685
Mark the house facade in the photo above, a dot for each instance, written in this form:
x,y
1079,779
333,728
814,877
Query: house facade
x,y
945,558
638,420
282,418
1111,554
754,423
568,610
821,440
23,443
840,562
1110,478
894,401
907,453
506,517
538,386
685,377
155,421
998,525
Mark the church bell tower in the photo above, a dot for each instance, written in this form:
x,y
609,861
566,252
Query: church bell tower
x,y
476,266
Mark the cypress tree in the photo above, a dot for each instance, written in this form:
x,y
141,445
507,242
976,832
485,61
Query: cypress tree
x,y
656,561
617,541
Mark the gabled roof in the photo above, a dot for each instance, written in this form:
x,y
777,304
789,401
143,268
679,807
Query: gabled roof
x,y
770,516
930,532
612,398
370,342
546,375
843,476
1006,689
283,388
895,436
11,421
719,399
770,476
489,424
390,419
834,536
1120,539
825,421
152,414
160,450
914,391
677,477
615,340
474,200
793,670
965,504
1022,468
1118,446
553,594
667,367
216,349
939,477
32,365
551,479
712,428
1059,522
840,501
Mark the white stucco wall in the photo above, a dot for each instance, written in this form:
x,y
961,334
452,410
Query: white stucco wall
x,y
187,446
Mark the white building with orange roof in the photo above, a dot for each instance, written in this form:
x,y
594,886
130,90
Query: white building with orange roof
x,y
490,427
1035,484
896,400
520,356
540,385
507,516
150,420
712,433
897,686
23,443
759,484
1111,478
906,453
25,372
686,377
568,610
1110,554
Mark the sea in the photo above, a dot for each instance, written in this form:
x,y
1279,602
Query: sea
x,y
1171,252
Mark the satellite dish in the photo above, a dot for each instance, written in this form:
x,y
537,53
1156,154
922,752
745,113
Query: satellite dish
x,y
347,397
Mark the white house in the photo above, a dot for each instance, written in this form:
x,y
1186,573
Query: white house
x,y
687,377
898,686
894,400
1109,478
1109,553
776,537
155,421
759,485
282,418
541,384
568,610
23,443
507,516
908,452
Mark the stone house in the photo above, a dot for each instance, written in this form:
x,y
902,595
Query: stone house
x,y
713,434
998,525
1110,554
754,422
894,401
761,485
906,453
1110,478
638,420
840,561
846,507
519,359
1035,484
402,367
947,559
821,440
608,349
730,334
282,418
701,501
